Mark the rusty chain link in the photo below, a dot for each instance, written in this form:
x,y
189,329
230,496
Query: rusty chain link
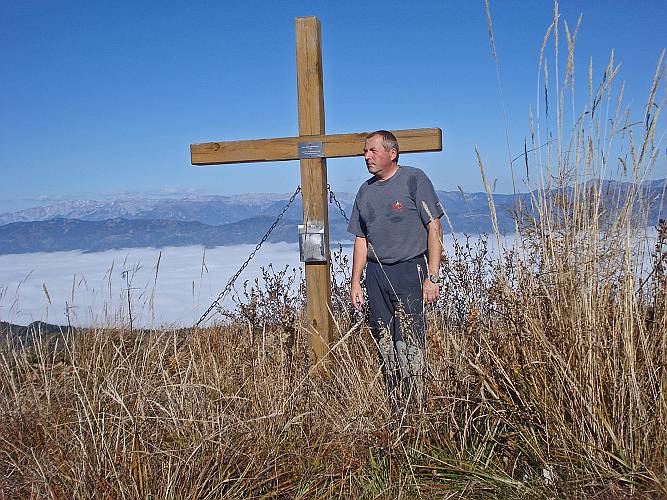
x,y
232,280
332,198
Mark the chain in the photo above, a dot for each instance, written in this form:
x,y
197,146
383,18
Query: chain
x,y
332,198
216,303
230,283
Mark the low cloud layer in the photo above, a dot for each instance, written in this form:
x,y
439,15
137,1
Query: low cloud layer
x,y
91,289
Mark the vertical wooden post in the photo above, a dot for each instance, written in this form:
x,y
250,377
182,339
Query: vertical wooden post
x,y
314,179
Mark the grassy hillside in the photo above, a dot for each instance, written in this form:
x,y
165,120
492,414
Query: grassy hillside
x,y
545,381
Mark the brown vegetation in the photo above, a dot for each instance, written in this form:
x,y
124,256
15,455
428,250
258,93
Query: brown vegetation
x,y
543,383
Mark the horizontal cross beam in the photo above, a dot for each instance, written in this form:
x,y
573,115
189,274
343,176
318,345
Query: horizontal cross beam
x,y
287,148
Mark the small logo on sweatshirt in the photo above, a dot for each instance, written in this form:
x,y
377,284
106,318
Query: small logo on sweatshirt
x,y
397,205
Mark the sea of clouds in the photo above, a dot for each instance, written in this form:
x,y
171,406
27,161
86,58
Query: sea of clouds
x,y
91,289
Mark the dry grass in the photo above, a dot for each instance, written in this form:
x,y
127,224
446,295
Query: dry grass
x,y
548,365
539,388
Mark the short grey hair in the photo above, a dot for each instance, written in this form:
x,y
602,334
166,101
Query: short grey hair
x,y
389,140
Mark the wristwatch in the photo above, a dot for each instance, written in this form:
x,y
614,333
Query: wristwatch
x,y
434,278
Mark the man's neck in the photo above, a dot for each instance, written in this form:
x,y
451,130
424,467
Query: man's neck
x,y
389,174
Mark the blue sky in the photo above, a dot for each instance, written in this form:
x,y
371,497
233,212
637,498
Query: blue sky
x,y
105,97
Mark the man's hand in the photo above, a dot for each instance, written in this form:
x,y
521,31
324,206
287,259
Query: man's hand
x,y
431,291
357,296
358,263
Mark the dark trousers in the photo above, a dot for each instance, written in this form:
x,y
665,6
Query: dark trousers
x,y
396,319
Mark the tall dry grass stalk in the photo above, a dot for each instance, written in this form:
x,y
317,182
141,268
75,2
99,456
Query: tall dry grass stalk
x,y
547,361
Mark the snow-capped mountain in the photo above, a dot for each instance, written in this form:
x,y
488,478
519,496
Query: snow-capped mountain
x,y
211,220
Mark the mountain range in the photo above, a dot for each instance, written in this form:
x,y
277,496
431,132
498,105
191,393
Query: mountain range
x,y
26,335
228,220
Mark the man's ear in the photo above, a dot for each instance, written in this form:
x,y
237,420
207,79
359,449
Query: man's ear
x,y
394,154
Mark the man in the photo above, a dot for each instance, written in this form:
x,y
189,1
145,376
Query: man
x,y
396,221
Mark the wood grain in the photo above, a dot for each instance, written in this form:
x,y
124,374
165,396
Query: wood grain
x,y
314,181
287,148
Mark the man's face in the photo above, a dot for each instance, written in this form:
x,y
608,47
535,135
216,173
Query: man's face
x,y
378,161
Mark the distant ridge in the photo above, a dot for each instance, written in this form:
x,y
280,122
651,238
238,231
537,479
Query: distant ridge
x,y
210,221
210,209
24,335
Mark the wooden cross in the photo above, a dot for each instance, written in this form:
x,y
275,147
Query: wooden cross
x,y
311,147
